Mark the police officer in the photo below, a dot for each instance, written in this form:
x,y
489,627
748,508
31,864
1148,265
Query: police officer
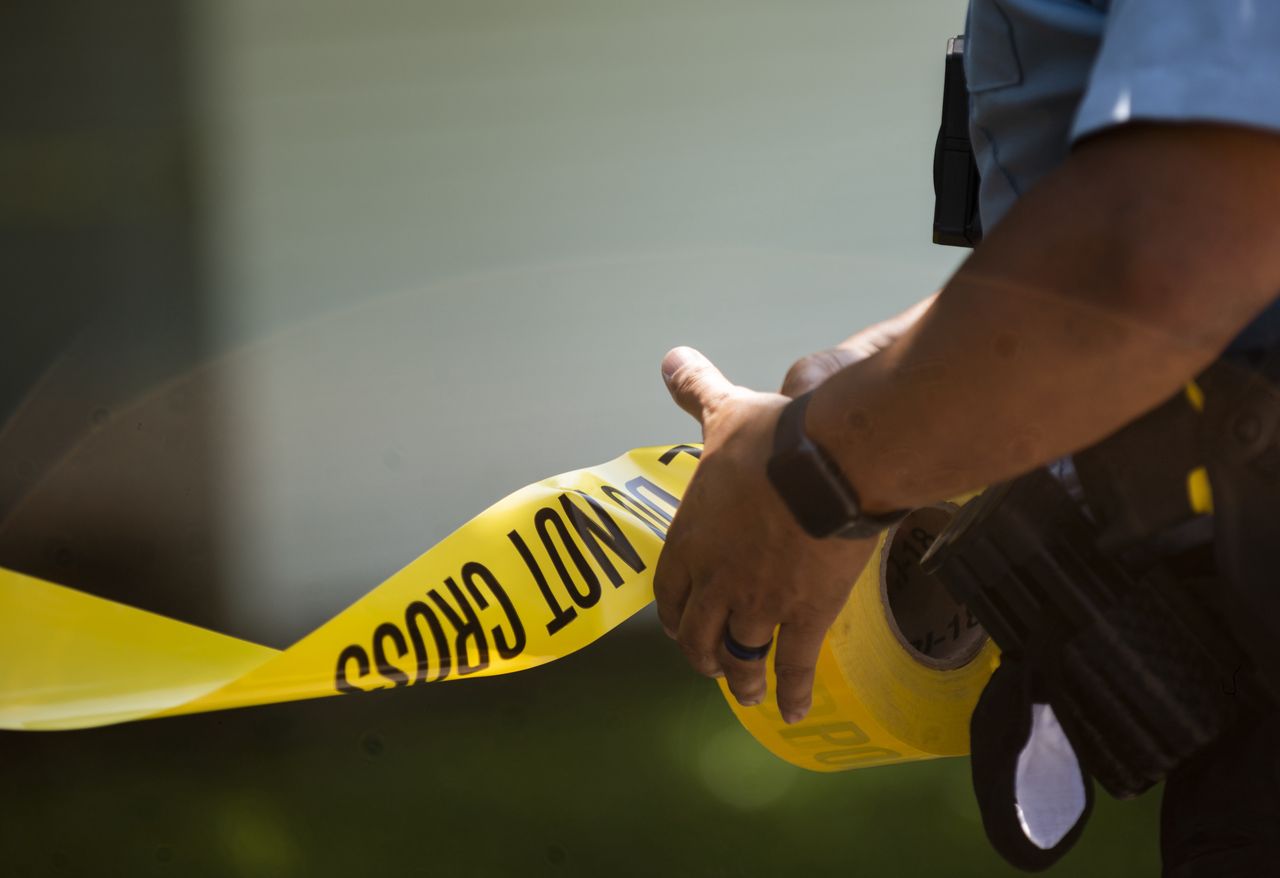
x,y
1130,162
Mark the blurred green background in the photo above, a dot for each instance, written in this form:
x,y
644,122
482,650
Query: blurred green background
x,y
292,289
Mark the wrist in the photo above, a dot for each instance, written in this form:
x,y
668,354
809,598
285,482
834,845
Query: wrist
x,y
846,430
812,484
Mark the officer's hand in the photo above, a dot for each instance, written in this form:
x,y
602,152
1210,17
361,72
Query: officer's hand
x,y
735,559
808,372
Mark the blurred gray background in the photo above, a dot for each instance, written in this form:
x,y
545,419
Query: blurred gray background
x,y
459,237
431,252
293,289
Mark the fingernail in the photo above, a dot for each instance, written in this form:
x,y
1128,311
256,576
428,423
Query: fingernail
x,y
670,632
791,717
668,367
673,360
718,674
749,701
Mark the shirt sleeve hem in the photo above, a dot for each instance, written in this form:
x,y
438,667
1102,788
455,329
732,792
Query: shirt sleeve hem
x,y
1234,97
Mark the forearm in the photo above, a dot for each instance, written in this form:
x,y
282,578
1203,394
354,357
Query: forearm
x,y
879,336
1059,331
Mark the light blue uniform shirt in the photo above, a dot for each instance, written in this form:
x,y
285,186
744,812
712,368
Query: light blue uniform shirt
x,y
1045,73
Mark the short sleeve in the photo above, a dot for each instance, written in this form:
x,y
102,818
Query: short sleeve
x,y
1185,61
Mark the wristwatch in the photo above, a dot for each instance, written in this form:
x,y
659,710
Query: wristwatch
x,y
811,484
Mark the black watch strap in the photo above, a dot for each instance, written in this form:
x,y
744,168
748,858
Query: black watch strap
x,y
812,485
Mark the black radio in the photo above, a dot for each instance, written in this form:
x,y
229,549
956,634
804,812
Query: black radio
x,y
955,175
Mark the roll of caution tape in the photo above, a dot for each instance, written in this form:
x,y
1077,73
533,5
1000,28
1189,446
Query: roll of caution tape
x,y
536,576
899,672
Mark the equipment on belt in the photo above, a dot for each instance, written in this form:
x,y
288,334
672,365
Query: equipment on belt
x,y
955,174
1131,596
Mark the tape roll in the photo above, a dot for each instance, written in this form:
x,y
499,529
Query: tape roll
x,y
899,672
536,576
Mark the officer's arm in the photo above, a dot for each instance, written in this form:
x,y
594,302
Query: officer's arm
x,y
1109,285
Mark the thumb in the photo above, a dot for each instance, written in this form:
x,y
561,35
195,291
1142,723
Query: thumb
x,y
695,384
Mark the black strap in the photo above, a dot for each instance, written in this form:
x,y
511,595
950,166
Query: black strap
x,y
999,729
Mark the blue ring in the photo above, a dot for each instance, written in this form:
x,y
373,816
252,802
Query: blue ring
x,y
745,653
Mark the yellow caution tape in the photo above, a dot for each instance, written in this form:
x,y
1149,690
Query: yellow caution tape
x,y
536,576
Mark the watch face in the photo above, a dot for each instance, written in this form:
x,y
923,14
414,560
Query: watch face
x,y
812,491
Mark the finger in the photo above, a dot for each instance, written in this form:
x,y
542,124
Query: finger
x,y
701,627
670,590
809,372
746,678
695,384
795,657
